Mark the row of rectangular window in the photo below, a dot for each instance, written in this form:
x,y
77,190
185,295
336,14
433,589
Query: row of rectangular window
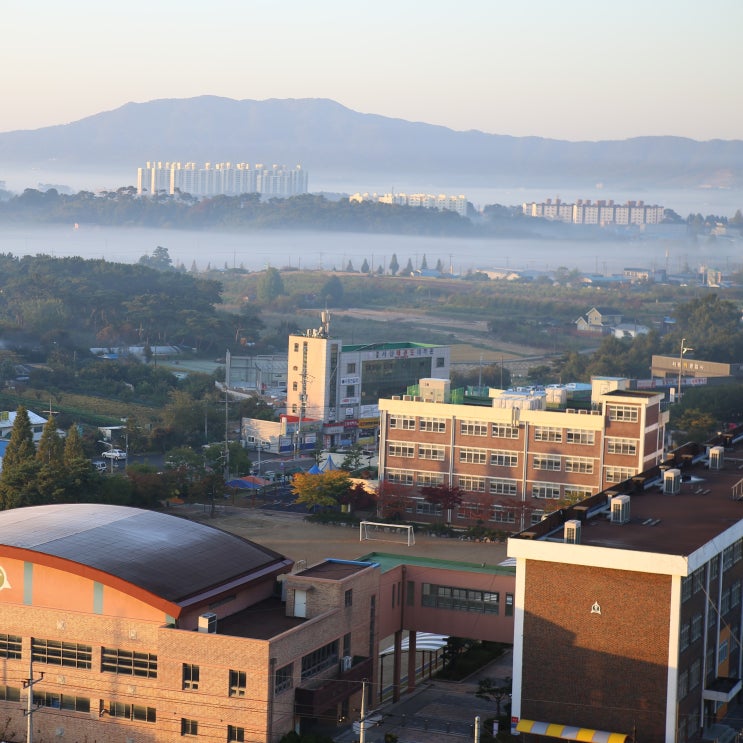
x,y
463,599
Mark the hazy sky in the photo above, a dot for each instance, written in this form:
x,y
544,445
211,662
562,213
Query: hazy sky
x,y
567,69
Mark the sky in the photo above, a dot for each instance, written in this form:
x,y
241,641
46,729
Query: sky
x,y
563,69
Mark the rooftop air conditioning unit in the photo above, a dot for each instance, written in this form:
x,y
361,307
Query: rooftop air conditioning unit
x,y
571,531
672,481
417,398
620,509
208,623
407,397
716,457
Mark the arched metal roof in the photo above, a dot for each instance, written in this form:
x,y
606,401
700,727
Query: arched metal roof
x,y
168,557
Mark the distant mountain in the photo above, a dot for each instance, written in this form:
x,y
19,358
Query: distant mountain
x,y
331,140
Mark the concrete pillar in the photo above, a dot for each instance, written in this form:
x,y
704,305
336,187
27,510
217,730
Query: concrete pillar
x,y
412,658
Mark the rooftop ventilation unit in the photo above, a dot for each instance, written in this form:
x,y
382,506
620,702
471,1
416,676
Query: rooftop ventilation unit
x,y
672,482
620,509
208,623
716,457
407,398
571,532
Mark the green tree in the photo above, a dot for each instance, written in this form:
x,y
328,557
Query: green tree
x,y
270,285
349,267
352,460
18,479
365,266
50,448
424,263
494,690
332,292
408,270
394,265
73,446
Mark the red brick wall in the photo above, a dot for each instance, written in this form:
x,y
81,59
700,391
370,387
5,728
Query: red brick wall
x,y
606,671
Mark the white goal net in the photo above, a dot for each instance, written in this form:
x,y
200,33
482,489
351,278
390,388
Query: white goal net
x,y
397,533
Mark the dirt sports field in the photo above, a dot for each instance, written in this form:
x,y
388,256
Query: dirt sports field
x,y
289,534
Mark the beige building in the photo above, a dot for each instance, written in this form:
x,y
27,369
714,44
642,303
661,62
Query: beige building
x,y
519,456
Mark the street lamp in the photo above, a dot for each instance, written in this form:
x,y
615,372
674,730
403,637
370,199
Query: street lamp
x,y
110,459
683,350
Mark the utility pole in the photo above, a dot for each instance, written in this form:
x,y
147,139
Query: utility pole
x,y
362,721
29,684
477,729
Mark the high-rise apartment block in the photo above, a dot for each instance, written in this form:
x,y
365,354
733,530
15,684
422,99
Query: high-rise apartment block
x,y
213,179
514,454
441,202
602,212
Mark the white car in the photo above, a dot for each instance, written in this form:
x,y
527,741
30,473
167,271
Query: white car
x,y
114,454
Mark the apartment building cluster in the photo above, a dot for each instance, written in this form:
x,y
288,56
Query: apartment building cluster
x,y
601,212
214,179
441,202
514,455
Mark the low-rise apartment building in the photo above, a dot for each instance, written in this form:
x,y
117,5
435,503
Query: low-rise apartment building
x,y
514,459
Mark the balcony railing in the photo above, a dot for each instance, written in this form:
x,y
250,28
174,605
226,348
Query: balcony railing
x,y
315,697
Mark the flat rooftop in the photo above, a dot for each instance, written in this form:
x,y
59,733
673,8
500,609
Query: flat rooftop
x,y
388,561
389,346
262,621
335,569
708,502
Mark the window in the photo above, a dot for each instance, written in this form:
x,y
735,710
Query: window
x,y
440,360
626,413
433,425
683,683
576,494
320,659
735,595
697,580
621,446
509,604
473,428
473,456
504,458
536,517
62,701
430,479
725,601
696,627
547,461
504,431
459,599
402,422
350,390
395,449
579,436
402,477
296,348
235,734
545,490
425,508
351,368
714,568
694,674
684,636
190,676
189,727
502,486
431,451
722,656
61,653
618,474
348,597
10,646
238,683
136,712
284,679
547,433
473,484
686,585
10,693
295,386
502,515
579,464
737,552
128,663
727,559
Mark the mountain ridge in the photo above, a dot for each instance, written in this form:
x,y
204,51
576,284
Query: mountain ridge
x,y
327,138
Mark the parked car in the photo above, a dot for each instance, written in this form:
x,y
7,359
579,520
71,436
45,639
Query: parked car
x,y
100,466
114,454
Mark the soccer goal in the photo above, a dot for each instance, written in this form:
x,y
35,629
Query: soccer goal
x,y
375,531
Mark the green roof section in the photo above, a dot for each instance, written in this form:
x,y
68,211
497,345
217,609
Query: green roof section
x,y
389,346
388,561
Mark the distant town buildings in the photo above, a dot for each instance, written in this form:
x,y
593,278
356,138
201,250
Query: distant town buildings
x,y
213,179
441,202
600,212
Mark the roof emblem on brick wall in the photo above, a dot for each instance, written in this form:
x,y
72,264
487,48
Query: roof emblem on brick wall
x,y
596,608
